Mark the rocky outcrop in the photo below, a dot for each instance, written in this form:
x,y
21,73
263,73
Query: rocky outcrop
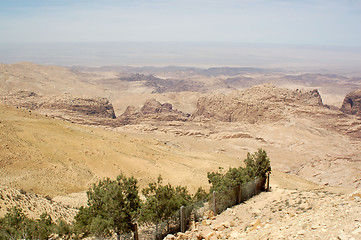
x,y
33,204
152,110
77,109
25,94
352,103
131,115
152,106
25,99
96,107
264,103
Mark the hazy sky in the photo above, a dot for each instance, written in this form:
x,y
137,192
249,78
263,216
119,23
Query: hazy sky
x,y
316,22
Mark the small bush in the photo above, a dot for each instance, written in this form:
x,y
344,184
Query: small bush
x,y
16,225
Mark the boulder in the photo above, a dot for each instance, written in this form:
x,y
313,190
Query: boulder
x,y
170,237
206,222
235,234
181,236
210,235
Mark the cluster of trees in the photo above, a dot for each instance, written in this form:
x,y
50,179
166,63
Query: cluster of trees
x,y
16,225
227,185
114,206
257,165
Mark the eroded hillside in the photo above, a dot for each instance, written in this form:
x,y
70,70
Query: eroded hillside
x,y
302,135
284,214
43,155
178,122
65,128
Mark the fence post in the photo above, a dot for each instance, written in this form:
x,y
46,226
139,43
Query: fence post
x,y
255,187
136,236
214,203
268,182
182,219
240,194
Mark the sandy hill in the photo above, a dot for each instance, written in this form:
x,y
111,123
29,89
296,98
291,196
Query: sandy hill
x,y
37,78
53,157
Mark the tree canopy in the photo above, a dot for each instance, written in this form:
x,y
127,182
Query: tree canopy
x,y
163,200
16,225
257,165
112,207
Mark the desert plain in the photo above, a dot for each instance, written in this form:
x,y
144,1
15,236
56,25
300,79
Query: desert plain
x,y
65,128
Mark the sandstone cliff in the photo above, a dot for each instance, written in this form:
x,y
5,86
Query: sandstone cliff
x,y
94,106
152,110
78,109
264,103
352,103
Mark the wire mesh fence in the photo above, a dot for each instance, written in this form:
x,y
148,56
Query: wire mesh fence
x,y
233,196
217,203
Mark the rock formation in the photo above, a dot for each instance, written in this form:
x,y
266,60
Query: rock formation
x,y
152,106
65,106
352,103
97,107
264,103
152,110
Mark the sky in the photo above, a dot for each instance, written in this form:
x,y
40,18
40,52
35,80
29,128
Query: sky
x,y
302,22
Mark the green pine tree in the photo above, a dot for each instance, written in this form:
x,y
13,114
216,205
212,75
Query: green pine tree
x,y
112,208
162,201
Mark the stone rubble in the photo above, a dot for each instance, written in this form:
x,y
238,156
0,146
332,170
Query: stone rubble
x,y
284,214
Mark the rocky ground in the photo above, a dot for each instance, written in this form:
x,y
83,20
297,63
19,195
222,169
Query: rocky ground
x,y
33,205
80,109
284,214
311,212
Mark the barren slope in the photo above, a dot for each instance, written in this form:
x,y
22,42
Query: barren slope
x,y
285,214
33,205
54,157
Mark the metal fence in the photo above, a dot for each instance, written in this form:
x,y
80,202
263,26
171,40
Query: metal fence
x,y
219,202
233,196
